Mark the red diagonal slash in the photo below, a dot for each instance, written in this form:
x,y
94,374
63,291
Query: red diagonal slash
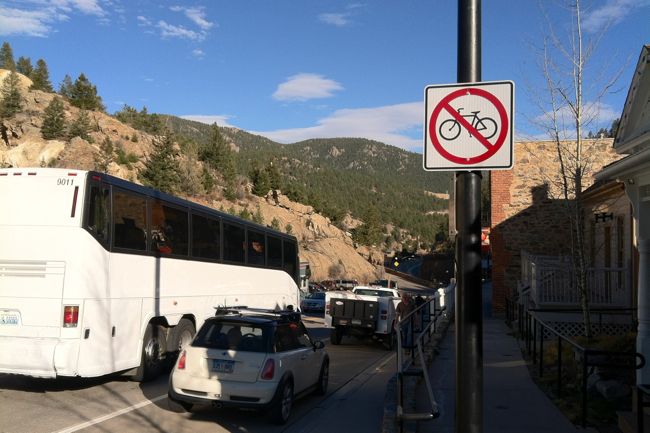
x,y
468,126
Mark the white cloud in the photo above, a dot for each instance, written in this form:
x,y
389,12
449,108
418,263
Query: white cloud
x,y
198,53
303,87
335,19
30,23
89,7
389,124
209,119
595,115
143,21
36,18
172,31
612,12
197,15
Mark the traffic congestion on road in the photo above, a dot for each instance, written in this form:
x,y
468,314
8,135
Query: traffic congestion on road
x,y
357,373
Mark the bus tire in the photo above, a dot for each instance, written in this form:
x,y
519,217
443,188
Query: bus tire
x,y
179,336
152,359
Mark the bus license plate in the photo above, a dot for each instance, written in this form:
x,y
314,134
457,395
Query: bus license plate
x,y
8,319
223,366
356,322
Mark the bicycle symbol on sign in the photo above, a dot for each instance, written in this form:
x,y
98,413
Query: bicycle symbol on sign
x,y
450,129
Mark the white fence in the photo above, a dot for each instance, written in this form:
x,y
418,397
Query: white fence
x,y
551,283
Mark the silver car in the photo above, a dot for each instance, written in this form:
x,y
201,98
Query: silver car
x,y
249,358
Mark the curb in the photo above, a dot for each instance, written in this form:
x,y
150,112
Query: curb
x,y
390,423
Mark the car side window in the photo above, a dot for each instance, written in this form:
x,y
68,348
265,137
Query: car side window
x,y
302,336
290,337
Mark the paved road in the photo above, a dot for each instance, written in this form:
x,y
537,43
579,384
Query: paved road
x,y
358,376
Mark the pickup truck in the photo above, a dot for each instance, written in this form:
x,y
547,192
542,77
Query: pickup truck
x,y
367,311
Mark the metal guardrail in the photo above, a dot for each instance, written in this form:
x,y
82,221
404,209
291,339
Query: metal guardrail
x,y
416,328
532,329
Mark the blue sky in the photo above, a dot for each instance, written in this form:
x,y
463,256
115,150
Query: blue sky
x,y
297,69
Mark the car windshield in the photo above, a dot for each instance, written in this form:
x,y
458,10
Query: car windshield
x,y
247,337
317,295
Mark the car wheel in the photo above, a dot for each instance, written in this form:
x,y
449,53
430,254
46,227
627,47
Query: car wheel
x,y
391,340
323,378
281,409
154,347
186,406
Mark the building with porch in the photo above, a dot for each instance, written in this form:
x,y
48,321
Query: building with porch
x,y
633,171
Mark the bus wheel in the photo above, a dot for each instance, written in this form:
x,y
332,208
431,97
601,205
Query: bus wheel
x,y
179,336
154,347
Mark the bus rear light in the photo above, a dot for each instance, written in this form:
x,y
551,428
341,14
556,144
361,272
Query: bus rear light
x,y
181,360
74,201
269,369
31,173
97,178
70,316
327,308
72,174
3,174
17,173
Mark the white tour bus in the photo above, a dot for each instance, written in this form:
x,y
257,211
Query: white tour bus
x,y
100,275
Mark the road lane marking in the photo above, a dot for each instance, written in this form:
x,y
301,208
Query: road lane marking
x,y
111,415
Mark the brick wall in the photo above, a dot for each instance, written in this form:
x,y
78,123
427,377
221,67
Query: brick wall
x,y
528,209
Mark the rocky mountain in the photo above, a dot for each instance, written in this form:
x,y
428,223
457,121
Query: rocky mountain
x,y
372,174
329,250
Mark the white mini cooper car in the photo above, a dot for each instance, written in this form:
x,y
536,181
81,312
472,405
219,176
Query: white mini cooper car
x,y
250,358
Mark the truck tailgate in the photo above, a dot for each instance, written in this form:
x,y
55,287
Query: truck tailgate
x,y
354,312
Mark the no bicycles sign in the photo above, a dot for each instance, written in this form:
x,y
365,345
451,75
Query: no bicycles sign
x,y
469,126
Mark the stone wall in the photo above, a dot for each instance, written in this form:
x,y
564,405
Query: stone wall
x,y
529,209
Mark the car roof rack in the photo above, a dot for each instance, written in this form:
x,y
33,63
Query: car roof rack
x,y
289,314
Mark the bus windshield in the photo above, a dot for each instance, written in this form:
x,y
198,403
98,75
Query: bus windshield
x,y
43,198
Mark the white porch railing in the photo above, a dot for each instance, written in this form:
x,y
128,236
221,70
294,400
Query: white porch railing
x,y
551,282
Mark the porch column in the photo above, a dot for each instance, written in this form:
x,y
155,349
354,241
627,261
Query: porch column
x,y
643,335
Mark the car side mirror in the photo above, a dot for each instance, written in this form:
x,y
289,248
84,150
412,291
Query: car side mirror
x,y
318,345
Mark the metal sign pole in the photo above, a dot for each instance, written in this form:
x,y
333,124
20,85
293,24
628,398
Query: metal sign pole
x,y
469,320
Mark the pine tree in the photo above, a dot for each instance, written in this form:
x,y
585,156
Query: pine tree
x,y
260,180
217,154
105,156
80,127
207,180
83,94
257,216
161,170
7,57
24,66
41,78
65,89
12,100
275,178
53,120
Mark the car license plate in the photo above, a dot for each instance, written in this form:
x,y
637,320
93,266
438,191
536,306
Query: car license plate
x,y
9,319
223,366
356,322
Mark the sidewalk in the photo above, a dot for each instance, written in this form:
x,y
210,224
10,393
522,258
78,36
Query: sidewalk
x,y
512,401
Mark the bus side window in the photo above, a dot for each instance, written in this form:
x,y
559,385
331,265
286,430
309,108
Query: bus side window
x,y
233,243
98,221
274,252
130,217
289,259
256,248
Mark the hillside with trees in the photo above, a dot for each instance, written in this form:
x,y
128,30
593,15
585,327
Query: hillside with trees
x,y
379,194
